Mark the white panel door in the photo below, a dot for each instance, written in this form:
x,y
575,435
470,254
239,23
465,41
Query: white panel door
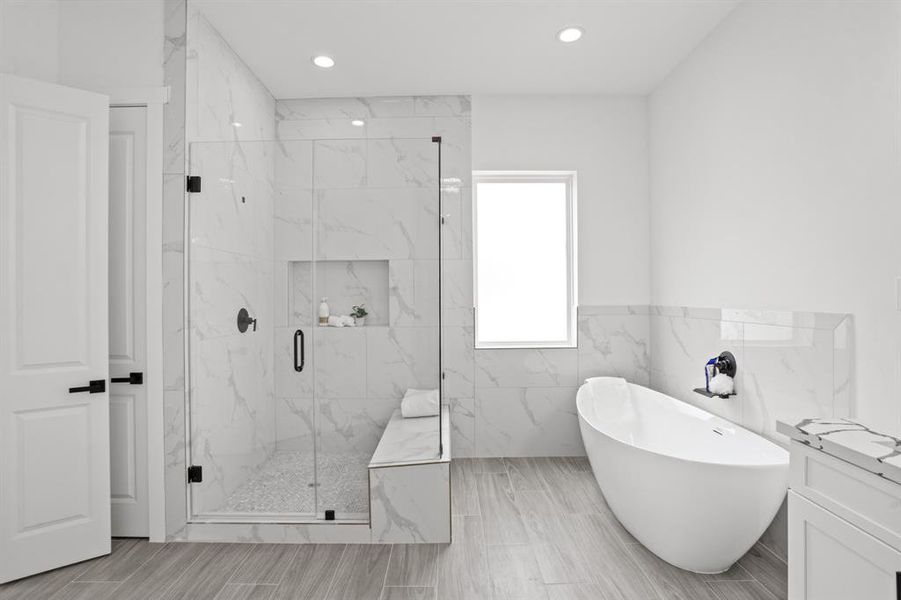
x,y
127,320
54,440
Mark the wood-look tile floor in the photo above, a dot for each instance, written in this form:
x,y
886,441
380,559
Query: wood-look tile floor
x,y
524,528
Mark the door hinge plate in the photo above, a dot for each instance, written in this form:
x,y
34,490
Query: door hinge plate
x,y
193,184
195,474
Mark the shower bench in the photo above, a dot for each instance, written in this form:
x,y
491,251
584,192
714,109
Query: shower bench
x,y
409,481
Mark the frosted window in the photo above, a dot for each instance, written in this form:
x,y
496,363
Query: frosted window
x,y
524,250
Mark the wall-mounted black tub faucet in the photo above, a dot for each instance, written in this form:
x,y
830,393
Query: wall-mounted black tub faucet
x,y
245,320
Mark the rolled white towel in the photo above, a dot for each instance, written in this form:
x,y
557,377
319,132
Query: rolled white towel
x,y
419,403
335,321
347,321
721,385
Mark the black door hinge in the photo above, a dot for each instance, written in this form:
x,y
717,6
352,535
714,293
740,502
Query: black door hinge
x,y
329,515
194,184
195,474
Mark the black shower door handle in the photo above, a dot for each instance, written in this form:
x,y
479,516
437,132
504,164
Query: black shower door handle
x,y
303,343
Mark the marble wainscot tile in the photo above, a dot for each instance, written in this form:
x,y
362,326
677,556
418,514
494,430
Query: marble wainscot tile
x,y
399,358
680,347
788,375
378,224
462,417
339,164
526,367
458,361
592,310
413,293
340,361
852,442
842,361
410,504
527,422
615,345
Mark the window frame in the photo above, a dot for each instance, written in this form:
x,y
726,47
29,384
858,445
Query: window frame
x,y
570,179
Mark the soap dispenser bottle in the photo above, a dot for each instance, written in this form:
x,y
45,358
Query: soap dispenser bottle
x,y
323,312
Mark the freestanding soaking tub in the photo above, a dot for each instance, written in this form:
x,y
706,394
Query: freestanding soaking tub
x,y
695,489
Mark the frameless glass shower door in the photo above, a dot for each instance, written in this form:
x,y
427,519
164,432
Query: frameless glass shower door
x,y
284,412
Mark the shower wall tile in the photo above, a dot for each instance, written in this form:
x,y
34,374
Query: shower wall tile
x,y
173,320
295,424
402,163
221,284
399,358
526,367
614,345
174,57
413,293
293,224
463,422
294,164
339,164
303,309
340,363
345,108
353,426
176,468
281,297
377,224
232,413
457,293
459,361
442,106
527,422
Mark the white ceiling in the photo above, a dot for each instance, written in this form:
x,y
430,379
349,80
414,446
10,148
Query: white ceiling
x,y
408,47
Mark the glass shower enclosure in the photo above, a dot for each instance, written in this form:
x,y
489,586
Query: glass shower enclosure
x,y
285,412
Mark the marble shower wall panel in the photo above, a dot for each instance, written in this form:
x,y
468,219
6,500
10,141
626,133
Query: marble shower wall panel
x,y
375,200
174,168
231,250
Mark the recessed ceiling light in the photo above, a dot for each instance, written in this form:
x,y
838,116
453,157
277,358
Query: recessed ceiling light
x,y
358,122
569,35
324,62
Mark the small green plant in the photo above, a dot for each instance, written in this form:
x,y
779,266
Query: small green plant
x,y
359,312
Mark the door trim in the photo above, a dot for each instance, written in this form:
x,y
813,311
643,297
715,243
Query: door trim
x,y
153,98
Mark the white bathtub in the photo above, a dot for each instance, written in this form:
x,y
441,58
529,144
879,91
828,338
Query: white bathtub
x,y
695,489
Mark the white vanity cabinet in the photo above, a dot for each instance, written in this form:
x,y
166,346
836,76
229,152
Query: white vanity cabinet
x,y
844,530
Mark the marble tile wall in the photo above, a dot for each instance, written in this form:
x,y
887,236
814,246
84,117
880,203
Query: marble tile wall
x,y
231,249
370,192
791,365
174,167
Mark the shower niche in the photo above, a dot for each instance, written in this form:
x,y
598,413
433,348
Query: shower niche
x,y
277,226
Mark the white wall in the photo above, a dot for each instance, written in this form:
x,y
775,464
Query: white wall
x,y
604,138
776,179
90,44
